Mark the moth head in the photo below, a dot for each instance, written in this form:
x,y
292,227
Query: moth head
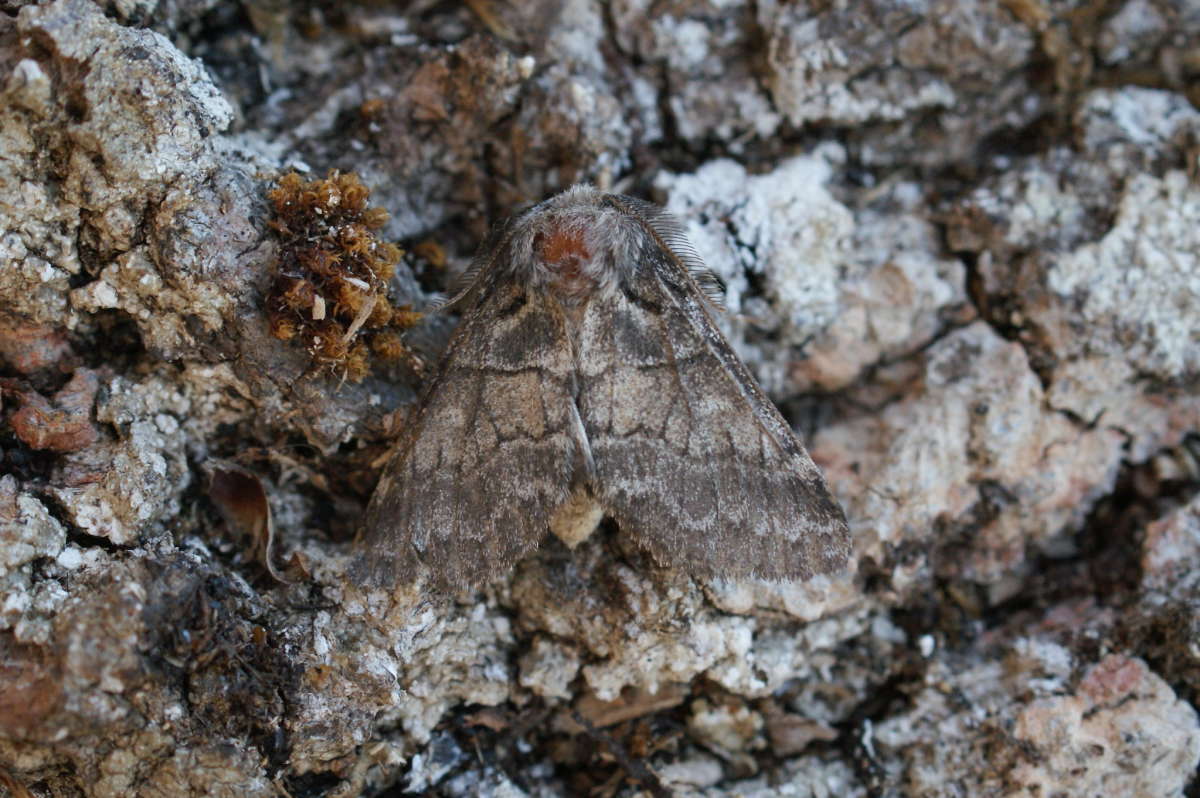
x,y
584,243
575,245
606,237
564,259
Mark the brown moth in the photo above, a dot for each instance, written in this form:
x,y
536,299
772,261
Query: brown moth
x,y
588,379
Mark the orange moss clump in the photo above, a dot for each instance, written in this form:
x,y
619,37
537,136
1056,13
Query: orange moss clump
x,y
331,282
431,251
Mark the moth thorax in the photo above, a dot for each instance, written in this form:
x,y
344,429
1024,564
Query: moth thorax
x,y
563,253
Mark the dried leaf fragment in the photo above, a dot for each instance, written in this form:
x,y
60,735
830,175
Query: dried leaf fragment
x,y
632,703
240,497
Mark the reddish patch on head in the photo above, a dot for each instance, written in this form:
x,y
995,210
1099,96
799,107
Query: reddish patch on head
x,y
561,244
564,252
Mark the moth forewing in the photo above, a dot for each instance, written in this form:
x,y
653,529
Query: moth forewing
x,y
691,458
672,239
587,378
471,487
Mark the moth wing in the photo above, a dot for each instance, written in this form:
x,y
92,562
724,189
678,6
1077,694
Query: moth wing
x,y
691,457
490,454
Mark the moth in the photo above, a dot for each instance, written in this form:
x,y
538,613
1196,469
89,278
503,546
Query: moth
x,y
587,379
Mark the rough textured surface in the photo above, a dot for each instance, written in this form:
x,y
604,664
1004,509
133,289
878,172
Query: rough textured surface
x,y
972,467
1027,722
960,248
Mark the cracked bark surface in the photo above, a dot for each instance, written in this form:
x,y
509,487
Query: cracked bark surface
x,y
959,242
